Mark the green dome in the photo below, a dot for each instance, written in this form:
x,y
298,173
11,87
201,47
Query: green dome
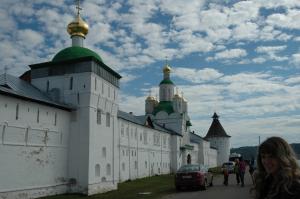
x,y
75,52
166,81
164,106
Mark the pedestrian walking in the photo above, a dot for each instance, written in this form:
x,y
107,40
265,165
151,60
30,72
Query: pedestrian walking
x,y
236,171
251,170
242,170
278,174
226,175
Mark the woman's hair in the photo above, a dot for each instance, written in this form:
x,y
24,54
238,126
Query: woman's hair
x,y
289,171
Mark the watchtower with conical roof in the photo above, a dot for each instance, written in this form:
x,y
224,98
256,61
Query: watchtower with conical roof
x,y
219,139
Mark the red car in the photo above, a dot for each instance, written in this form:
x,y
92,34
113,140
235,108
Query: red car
x,y
193,176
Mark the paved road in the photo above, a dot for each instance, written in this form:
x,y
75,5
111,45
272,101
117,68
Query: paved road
x,y
218,191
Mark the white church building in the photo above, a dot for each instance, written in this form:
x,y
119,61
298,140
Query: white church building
x,y
61,129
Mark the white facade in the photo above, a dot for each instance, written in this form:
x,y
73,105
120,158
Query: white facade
x,y
34,141
222,144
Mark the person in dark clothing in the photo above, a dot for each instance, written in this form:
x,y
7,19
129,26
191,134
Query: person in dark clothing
x,y
278,174
242,170
226,175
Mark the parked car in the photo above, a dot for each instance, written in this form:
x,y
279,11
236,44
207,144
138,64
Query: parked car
x,y
193,176
229,166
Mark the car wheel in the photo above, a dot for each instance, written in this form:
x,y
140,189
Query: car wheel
x,y
203,187
177,188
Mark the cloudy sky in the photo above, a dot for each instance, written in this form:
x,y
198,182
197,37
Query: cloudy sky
x,y
238,58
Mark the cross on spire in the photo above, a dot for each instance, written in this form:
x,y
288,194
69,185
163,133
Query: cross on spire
x,y
78,7
166,57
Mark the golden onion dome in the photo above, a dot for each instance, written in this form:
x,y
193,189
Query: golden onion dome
x,y
150,98
167,69
78,27
177,96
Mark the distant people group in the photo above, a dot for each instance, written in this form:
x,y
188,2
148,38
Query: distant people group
x,y
239,171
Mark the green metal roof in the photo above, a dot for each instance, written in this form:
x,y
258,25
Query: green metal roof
x,y
75,52
166,81
164,106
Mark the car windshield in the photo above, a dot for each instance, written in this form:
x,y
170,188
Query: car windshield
x,y
188,168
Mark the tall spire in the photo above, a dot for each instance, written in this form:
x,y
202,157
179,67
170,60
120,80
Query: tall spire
x,y
78,28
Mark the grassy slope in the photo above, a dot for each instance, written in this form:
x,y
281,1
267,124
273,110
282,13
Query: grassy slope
x,y
157,185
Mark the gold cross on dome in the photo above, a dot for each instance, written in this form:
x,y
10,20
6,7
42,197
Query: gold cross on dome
x,y
78,7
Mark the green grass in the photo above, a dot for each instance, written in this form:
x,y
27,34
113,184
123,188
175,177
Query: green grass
x,y
157,185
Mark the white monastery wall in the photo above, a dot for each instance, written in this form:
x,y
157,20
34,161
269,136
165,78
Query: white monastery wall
x,y
143,151
34,148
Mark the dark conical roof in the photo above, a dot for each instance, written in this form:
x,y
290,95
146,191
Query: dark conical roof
x,y
216,129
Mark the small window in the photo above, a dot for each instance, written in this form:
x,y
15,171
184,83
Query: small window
x,y
47,87
97,170
127,131
55,119
107,119
95,83
108,169
104,152
17,112
98,116
71,83
135,165
123,166
122,129
38,116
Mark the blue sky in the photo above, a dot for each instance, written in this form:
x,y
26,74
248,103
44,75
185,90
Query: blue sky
x,y
238,58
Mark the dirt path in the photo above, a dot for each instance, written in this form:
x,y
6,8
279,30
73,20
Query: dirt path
x,y
218,191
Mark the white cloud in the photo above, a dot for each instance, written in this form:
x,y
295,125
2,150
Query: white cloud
x,y
293,80
295,60
127,78
288,20
259,60
197,76
270,49
29,38
231,54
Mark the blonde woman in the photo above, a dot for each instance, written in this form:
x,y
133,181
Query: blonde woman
x,y
278,174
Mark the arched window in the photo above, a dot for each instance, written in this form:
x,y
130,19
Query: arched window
x,y
189,159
